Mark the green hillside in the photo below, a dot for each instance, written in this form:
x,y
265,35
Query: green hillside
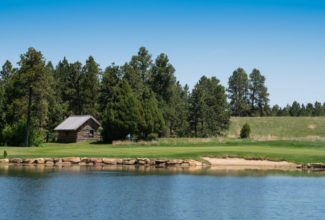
x,y
280,127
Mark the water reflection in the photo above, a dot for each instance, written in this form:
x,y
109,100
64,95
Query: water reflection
x,y
128,192
41,171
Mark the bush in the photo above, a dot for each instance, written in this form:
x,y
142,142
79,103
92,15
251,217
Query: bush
x,y
14,135
152,137
245,131
5,154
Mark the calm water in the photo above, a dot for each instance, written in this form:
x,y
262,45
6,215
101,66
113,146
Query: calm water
x,y
90,194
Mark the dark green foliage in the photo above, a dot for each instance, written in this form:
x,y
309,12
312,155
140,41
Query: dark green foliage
x,y
5,154
122,114
238,93
152,137
153,121
259,97
245,131
208,112
14,135
90,87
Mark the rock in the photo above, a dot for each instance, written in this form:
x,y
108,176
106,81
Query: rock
x,y
5,160
317,166
48,160
185,164
142,161
57,160
73,160
160,161
109,161
82,164
15,160
161,165
49,163
40,161
129,162
84,160
67,163
194,163
96,160
29,161
152,162
119,161
174,162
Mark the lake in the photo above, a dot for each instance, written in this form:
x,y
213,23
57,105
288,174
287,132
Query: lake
x,y
88,193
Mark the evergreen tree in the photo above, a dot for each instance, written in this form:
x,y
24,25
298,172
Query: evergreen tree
x,y
258,94
295,109
238,93
153,121
111,77
122,114
163,84
209,113
90,87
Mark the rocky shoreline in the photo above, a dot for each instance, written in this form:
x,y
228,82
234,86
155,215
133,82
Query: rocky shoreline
x,y
234,163
67,161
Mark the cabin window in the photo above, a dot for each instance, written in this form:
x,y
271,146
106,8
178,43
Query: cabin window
x,y
91,133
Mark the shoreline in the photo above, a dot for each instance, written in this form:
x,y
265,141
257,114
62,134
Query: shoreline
x,y
213,163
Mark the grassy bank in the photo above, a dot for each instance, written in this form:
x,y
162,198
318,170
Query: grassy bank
x,y
293,151
271,128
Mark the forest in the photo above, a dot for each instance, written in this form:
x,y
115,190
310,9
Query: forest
x,y
141,99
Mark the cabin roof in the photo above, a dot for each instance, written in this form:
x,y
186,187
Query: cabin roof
x,y
73,123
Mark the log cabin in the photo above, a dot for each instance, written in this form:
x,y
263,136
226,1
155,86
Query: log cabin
x,y
78,128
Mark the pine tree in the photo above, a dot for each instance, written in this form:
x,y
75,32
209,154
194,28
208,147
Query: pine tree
x,y
90,87
122,115
209,110
111,77
163,84
238,93
258,94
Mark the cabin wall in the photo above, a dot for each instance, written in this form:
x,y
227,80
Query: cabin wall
x,y
67,136
88,131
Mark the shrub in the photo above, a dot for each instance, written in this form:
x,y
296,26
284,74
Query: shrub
x,y
5,154
14,135
152,137
245,131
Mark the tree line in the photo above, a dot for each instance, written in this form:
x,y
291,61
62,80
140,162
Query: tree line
x,y
141,98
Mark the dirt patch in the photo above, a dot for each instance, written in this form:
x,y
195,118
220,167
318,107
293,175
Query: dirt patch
x,y
312,126
249,164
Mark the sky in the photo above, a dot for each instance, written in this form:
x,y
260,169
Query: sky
x,y
284,39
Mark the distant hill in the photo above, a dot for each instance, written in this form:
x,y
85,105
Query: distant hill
x,y
269,128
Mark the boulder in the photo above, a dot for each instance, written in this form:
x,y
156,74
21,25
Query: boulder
x,y
96,160
119,161
29,161
5,160
143,161
49,163
129,162
40,161
174,162
194,163
15,160
84,160
73,160
57,160
109,161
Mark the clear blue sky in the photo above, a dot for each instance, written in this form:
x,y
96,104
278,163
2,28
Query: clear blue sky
x,y
285,39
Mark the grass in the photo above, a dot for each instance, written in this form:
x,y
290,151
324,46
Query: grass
x,y
271,128
184,148
300,140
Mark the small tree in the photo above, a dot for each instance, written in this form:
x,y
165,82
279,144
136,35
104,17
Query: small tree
x,y
245,131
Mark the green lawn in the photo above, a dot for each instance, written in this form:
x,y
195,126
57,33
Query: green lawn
x,y
270,128
294,151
